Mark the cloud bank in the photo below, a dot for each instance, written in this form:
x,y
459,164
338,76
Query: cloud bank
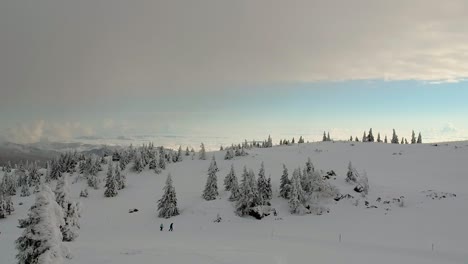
x,y
71,50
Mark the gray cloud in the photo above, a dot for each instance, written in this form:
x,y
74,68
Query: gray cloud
x,y
77,51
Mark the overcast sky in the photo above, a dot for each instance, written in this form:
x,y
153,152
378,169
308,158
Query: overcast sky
x,y
107,68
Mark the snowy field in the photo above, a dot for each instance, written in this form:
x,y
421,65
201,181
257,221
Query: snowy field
x,y
424,230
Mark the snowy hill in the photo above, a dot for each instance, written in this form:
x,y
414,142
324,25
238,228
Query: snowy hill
x,y
429,228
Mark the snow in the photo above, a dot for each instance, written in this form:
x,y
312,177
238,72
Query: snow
x,y
387,234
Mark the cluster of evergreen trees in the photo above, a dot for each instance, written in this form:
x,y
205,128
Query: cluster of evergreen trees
x,y
305,186
326,137
394,140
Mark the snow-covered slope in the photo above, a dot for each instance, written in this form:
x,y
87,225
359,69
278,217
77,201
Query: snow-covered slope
x,y
386,234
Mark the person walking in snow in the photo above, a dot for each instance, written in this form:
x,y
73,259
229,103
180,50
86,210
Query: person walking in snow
x,y
161,227
170,227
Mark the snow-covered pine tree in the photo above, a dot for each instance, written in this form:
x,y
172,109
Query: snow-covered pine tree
x,y
229,155
269,142
84,193
234,188
187,152
285,184
402,140
2,207
25,191
406,141
111,185
34,177
202,154
419,141
9,205
394,138
296,198
120,178
179,154
364,137
385,140
350,138
370,136
413,138
351,175
138,163
262,186
356,139
162,159
328,136
269,190
211,187
378,138
41,241
167,205
71,209
324,138
247,197
153,164
229,178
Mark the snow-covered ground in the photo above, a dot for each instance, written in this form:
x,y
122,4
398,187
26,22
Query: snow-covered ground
x,y
425,230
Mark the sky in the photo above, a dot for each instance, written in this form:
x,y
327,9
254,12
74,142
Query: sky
x,y
219,71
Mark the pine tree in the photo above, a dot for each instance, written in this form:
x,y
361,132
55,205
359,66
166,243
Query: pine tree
x,y
228,180
394,138
364,137
269,142
3,212
419,141
285,184
138,163
111,185
324,138
9,207
328,136
167,205
162,160
296,195
262,186
370,137
248,194
202,154
229,155
25,191
187,152
179,154
378,138
211,187
351,175
357,139
41,241
406,141
71,209
413,138
120,179
153,164
350,138
402,141
385,140
234,188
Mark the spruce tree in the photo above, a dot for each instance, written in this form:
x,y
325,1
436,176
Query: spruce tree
x,y
285,184
167,205
3,212
419,141
9,205
229,155
324,138
269,142
413,138
111,185
179,154
138,163
402,140
296,198
229,178
120,179
357,139
153,164
394,138
211,187
262,186
202,154
351,175
378,138
350,138
385,140
25,191
41,241
370,137
364,137
328,136
162,160
247,197
71,209
187,152
234,188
